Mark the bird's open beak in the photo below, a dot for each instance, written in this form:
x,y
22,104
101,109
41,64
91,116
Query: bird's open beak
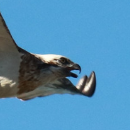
x,y
75,67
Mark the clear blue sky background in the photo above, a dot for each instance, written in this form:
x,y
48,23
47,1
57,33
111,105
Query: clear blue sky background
x,y
93,33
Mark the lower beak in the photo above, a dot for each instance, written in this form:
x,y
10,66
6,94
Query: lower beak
x,y
75,67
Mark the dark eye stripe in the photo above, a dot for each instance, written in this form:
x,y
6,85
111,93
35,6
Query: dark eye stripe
x,y
63,60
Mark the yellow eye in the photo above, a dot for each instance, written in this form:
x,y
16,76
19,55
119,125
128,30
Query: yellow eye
x,y
63,60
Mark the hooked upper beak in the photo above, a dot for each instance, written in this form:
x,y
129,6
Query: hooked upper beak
x,y
75,67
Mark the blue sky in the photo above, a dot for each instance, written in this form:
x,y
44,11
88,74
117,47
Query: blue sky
x,y
95,34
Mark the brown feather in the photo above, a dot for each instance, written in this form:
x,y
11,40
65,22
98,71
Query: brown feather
x,y
29,73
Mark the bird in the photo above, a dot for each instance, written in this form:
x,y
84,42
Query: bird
x,y
25,75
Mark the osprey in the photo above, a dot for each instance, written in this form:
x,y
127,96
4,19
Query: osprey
x,y
25,75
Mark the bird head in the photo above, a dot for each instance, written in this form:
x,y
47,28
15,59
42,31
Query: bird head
x,y
62,63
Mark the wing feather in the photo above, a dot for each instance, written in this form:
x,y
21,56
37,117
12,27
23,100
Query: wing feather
x,y
7,42
86,86
9,61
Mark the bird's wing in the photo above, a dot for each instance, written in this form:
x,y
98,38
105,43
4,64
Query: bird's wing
x,y
7,43
9,59
86,86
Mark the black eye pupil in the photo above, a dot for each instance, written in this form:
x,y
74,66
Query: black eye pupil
x,y
63,60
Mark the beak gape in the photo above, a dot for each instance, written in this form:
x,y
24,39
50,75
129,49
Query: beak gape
x,y
75,67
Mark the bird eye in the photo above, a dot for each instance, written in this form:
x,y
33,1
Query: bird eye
x,y
63,60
